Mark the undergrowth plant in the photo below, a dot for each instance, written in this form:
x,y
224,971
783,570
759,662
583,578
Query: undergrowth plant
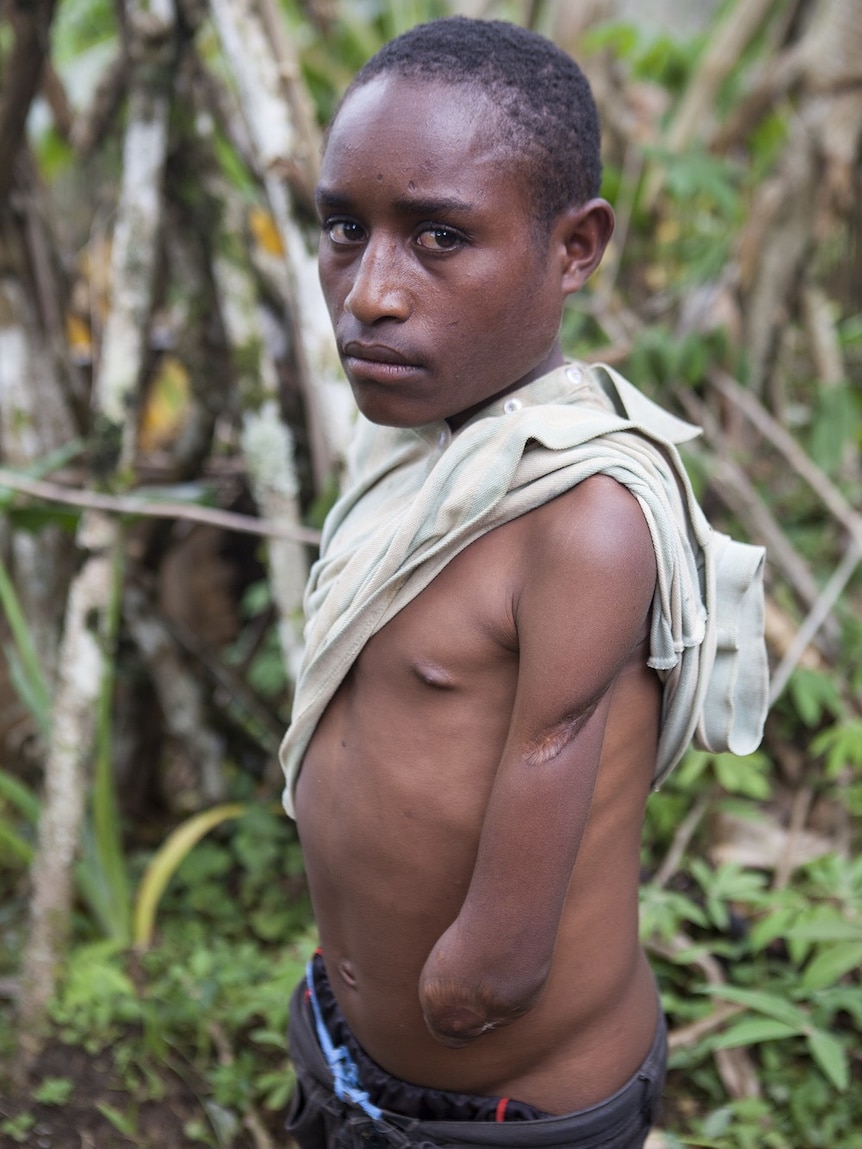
x,y
185,951
784,956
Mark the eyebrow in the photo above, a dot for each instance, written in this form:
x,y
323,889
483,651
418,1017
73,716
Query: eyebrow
x,y
431,206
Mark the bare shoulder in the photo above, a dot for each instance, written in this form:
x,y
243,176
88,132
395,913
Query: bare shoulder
x,y
587,575
596,532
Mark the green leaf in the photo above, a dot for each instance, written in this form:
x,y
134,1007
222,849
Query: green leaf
x,y
28,687
16,844
841,744
836,930
268,1037
831,964
813,694
32,679
830,1056
48,463
54,1091
19,796
746,775
121,1121
767,1003
19,1128
752,1030
834,426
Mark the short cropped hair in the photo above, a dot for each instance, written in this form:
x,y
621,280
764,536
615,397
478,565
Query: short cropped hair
x,y
550,117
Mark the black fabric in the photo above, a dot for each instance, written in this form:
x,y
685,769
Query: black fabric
x,y
398,1096
319,1120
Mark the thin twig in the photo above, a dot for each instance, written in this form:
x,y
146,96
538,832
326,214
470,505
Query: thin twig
x,y
117,505
733,486
251,1119
819,612
256,1128
683,836
784,442
734,1065
802,800
691,1034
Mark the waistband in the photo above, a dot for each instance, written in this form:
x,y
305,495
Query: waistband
x,y
633,1106
352,1067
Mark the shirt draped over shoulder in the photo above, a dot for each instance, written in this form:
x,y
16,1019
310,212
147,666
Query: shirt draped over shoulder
x,y
414,498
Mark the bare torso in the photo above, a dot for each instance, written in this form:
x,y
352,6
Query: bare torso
x,y
394,795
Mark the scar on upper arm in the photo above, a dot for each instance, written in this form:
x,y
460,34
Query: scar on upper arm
x,y
552,742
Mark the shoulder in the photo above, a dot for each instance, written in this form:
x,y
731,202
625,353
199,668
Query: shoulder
x,y
598,524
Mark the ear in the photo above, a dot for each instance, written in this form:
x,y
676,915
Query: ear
x,y
583,233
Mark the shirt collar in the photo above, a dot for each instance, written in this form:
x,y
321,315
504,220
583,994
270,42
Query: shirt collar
x,y
596,384
559,385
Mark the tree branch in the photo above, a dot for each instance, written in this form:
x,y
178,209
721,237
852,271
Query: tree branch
x,y
133,505
23,74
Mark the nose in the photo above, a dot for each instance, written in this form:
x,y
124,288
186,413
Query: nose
x,y
379,286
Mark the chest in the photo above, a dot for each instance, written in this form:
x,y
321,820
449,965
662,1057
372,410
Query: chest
x,y
458,632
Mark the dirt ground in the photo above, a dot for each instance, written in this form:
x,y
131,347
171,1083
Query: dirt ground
x,y
99,1115
84,1120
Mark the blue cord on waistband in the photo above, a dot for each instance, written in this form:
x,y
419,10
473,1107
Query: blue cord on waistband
x,y
345,1073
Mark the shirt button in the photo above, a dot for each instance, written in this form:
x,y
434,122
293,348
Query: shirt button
x,y
512,405
575,373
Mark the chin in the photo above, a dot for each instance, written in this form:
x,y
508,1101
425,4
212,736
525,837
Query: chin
x,y
384,415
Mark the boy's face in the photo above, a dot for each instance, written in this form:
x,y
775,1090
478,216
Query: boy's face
x,y
441,294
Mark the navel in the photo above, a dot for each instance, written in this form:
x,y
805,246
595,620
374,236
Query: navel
x,y
345,968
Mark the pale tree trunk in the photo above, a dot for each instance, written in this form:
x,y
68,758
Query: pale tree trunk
x,y
33,416
66,773
182,700
695,114
83,657
34,421
268,447
813,183
264,81
30,24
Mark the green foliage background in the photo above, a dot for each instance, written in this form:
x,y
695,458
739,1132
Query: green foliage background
x,y
757,950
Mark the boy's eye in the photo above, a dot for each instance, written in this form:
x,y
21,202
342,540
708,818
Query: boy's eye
x,y
344,231
438,239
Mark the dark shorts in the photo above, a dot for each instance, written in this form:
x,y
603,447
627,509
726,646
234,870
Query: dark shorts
x,y
319,1119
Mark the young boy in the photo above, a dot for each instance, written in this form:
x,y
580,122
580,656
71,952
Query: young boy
x,y
505,634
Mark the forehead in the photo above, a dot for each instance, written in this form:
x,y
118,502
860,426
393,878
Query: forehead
x,y
419,134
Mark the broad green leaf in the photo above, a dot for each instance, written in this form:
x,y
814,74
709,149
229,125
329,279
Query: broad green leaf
x,y
776,924
831,964
28,668
16,844
28,686
829,1054
19,796
836,930
752,1030
767,1003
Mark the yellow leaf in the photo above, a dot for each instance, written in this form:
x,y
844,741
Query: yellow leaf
x,y
264,231
79,339
164,865
167,406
